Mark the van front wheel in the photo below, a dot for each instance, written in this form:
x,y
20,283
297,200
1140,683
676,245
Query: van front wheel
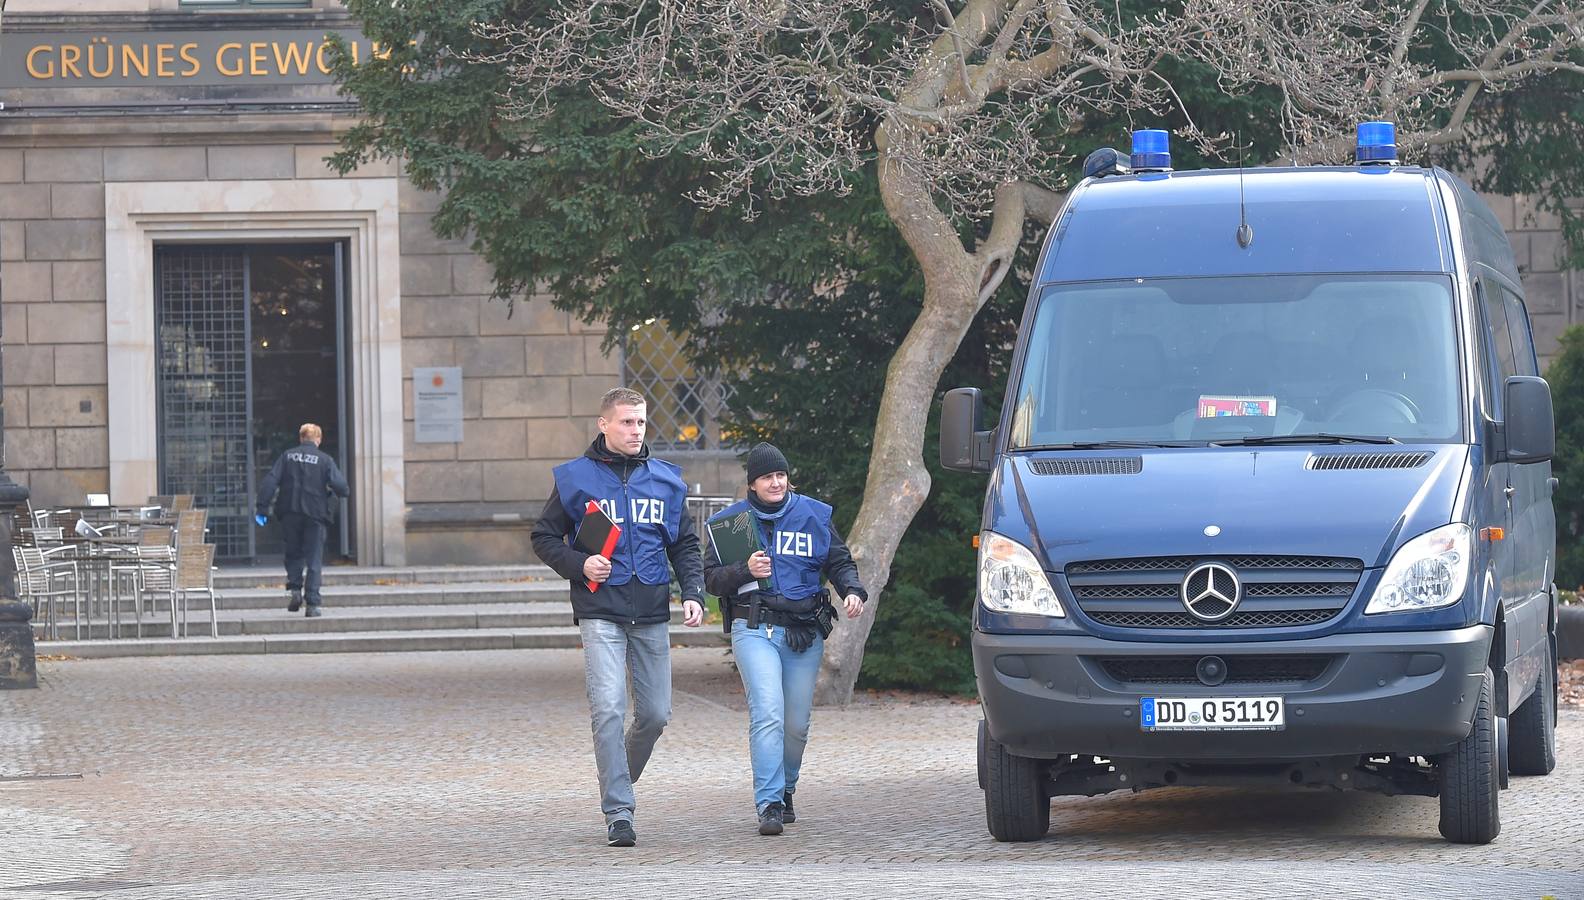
x,y
1016,805
1471,778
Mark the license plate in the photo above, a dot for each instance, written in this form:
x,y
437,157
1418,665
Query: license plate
x,y
1211,714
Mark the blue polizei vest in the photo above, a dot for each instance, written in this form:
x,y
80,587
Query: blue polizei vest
x,y
648,509
797,538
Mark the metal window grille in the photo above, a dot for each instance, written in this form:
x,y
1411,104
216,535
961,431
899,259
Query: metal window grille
x,y
685,404
202,320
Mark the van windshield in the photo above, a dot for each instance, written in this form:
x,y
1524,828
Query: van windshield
x,y
1202,360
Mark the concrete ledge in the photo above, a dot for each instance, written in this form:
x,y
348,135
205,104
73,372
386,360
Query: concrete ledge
x,y
1570,631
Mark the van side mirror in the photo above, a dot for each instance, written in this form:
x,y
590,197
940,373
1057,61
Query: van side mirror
x,y
1529,428
964,445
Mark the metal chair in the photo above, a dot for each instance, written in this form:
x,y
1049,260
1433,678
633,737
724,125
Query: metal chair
x,y
39,583
152,575
149,572
195,575
191,525
180,502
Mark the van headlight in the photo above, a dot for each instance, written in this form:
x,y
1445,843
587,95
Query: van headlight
x,y
1428,572
1011,580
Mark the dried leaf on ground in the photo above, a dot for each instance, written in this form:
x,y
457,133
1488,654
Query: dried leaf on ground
x,y
1570,682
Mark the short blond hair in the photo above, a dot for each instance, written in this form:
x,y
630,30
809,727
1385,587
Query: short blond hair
x,y
310,432
620,396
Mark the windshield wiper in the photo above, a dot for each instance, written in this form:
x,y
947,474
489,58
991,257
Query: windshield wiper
x,y
1318,438
1113,445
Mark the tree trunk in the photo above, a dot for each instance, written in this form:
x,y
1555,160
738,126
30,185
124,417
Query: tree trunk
x,y
898,483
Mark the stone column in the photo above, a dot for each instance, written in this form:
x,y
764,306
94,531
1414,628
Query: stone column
x,y
18,665
17,661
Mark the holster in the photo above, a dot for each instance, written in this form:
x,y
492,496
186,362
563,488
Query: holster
x,y
825,618
754,606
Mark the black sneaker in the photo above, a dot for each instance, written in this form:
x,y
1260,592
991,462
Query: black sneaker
x,y
293,599
313,612
770,820
621,834
787,815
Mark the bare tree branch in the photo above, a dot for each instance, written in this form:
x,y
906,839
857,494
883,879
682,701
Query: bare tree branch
x,y
955,115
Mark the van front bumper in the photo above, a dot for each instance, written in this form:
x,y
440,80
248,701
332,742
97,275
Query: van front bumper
x,y
1399,693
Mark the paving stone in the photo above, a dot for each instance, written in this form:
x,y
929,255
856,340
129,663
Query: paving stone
x,y
421,775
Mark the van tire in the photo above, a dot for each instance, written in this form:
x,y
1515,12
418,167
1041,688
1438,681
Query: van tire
x,y
1471,778
1016,805
1532,726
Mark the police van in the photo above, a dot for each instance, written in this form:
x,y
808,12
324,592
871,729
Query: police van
x,y
1269,497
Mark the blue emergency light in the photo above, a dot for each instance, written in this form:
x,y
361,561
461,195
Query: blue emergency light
x,y
1377,143
1151,151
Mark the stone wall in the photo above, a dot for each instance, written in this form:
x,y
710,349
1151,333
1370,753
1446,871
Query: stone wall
x,y
1553,294
532,380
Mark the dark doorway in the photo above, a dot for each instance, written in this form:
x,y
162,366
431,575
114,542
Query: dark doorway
x,y
251,347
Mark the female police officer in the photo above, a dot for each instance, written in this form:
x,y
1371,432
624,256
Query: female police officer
x,y
778,635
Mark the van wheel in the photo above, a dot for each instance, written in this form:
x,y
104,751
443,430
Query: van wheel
x,y
1471,779
1532,726
1016,806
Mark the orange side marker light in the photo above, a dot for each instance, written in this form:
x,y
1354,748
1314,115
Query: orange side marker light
x,y
1493,533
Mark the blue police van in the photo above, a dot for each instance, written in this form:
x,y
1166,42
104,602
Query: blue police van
x,y
1269,497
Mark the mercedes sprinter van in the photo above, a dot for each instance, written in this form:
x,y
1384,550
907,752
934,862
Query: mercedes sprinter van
x,y
1269,495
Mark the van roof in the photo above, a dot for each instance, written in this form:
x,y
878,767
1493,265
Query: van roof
x,y
1305,220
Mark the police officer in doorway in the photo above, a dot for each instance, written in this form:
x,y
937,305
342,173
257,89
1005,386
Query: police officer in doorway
x,y
625,619
305,476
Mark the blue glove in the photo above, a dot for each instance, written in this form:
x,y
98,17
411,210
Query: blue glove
x,y
261,520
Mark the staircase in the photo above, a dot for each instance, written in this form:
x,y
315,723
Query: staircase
x,y
366,610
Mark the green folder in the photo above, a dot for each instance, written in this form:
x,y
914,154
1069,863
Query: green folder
x,y
735,538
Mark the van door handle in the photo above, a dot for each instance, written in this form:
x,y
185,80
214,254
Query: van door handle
x,y
1509,490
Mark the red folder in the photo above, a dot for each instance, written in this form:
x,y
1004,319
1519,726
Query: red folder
x,y
596,535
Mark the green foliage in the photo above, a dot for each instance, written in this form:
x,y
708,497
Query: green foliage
x,y
1566,376
806,303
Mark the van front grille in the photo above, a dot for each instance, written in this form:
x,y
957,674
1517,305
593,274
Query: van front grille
x,y
1277,591
1276,619
1266,669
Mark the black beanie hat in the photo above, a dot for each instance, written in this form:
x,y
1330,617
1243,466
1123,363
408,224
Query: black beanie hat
x,y
763,459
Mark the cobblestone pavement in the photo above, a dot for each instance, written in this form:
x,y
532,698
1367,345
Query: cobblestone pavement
x,y
470,775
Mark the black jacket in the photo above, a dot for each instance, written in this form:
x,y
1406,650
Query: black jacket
x,y
724,579
634,603
306,477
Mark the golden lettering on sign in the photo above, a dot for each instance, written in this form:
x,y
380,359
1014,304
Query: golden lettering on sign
x,y
99,57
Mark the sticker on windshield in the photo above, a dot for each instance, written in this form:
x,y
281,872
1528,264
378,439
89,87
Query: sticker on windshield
x,y
1214,405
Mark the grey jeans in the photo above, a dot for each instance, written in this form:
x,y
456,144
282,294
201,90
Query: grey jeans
x,y
614,655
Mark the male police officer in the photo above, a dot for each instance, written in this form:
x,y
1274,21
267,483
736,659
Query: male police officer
x,y
305,477
625,620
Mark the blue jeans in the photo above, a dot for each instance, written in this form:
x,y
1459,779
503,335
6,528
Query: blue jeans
x,y
305,539
780,687
613,652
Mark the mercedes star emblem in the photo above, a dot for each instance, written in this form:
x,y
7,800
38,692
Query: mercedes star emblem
x,y
1210,591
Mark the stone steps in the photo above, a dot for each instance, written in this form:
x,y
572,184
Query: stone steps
x,y
242,577
366,610
276,620
559,637
352,595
